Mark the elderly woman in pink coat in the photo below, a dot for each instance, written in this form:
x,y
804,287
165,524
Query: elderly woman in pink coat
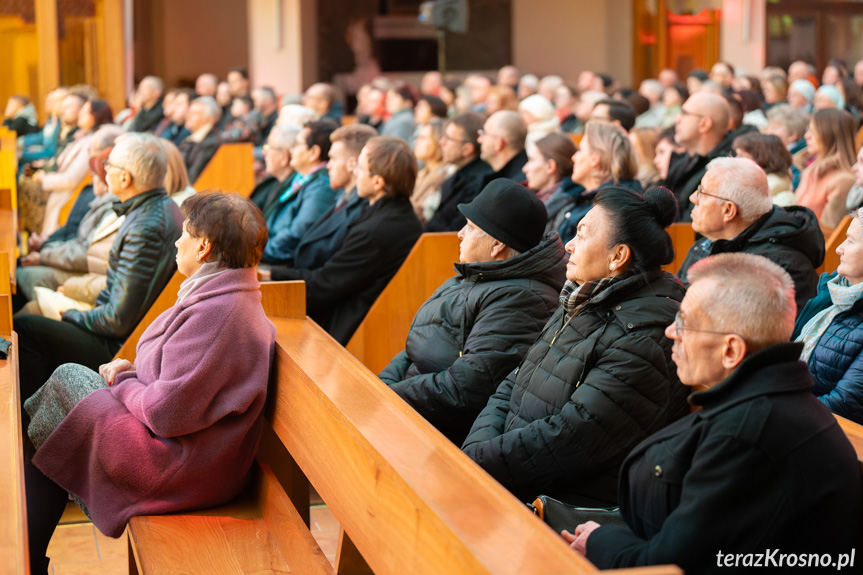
x,y
179,428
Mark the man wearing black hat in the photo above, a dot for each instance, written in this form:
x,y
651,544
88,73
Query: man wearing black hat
x,y
478,325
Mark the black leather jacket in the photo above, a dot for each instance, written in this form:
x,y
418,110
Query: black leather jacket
x,y
140,264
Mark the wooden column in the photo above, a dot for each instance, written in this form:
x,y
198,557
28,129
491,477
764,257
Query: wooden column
x,y
114,56
49,51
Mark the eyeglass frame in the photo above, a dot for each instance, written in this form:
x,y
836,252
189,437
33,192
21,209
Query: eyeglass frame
x,y
678,327
106,164
700,191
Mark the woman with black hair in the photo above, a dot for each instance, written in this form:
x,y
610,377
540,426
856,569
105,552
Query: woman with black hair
x,y
600,378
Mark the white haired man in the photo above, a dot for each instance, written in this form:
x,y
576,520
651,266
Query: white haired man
x,y
762,469
200,147
734,213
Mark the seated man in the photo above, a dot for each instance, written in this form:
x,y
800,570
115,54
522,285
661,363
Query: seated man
x,y
502,146
203,140
277,163
308,196
762,469
141,263
478,325
702,130
460,148
340,293
325,236
148,116
734,212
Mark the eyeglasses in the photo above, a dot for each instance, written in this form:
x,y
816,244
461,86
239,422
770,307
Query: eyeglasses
x,y
678,327
700,191
688,113
482,133
106,164
269,148
446,138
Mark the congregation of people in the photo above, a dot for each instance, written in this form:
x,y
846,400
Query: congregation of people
x,y
561,357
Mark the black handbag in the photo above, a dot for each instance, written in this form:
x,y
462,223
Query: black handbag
x,y
560,515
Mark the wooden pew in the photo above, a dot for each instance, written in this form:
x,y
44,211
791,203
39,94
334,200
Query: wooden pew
x,y
383,332
8,241
165,300
230,170
831,242
408,500
9,174
14,558
682,238
67,207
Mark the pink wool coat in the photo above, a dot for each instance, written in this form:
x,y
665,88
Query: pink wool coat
x,y
180,431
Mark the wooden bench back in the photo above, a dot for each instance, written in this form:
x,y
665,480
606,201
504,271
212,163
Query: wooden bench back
x,y
854,433
230,170
5,296
14,558
407,498
9,175
8,239
831,242
383,332
165,300
682,238
70,203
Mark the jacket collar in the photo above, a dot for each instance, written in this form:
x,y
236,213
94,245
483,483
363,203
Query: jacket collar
x,y
772,370
123,208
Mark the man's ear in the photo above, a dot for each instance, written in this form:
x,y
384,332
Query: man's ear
x,y
352,163
729,211
734,351
497,249
315,151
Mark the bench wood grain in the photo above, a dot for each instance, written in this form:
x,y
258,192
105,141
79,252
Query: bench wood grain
x,y
232,169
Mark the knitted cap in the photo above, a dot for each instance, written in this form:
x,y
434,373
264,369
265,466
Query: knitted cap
x,y
804,88
508,212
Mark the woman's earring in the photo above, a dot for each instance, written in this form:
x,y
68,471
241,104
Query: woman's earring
x,y
611,267
197,259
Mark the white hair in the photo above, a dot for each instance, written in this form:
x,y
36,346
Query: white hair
x,y
144,157
751,297
552,82
212,110
743,182
296,115
794,119
284,136
652,87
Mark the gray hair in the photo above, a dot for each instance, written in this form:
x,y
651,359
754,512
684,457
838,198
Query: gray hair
x,y
653,87
752,297
513,130
743,182
154,82
508,252
144,158
106,136
796,120
212,110
284,136
551,81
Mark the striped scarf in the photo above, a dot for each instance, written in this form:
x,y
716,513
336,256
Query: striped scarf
x,y
573,297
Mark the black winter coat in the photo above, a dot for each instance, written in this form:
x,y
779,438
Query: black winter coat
x,y
763,465
586,393
196,156
340,293
140,265
789,237
472,332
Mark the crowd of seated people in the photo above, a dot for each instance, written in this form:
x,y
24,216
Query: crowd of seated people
x,y
559,357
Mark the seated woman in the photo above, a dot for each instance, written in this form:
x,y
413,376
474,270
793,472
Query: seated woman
x,y
179,428
548,171
600,377
72,164
604,158
829,327
773,157
824,184
426,195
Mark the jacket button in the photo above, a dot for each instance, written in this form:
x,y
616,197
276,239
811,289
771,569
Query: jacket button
x,y
657,471
618,308
629,325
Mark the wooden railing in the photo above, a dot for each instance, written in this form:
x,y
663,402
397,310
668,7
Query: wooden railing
x,y
831,242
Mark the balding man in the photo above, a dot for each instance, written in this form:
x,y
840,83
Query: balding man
x,y
722,73
734,212
508,76
266,111
702,130
139,266
763,467
501,143
206,85
150,92
652,118
667,77
201,145
431,83
321,98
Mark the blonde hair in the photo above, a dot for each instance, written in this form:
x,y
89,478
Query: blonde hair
x,y
617,159
176,179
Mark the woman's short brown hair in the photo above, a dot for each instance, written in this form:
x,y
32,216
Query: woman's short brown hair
x,y
766,150
393,160
234,225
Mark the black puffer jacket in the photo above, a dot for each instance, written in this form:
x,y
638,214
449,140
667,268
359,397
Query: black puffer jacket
x,y
789,237
472,332
140,264
587,392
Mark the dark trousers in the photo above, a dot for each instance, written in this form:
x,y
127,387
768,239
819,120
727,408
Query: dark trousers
x,y
45,344
45,504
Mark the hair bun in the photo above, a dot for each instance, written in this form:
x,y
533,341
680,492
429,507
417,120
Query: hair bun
x,y
663,204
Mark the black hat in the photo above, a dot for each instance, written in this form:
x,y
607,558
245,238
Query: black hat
x,y
508,212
